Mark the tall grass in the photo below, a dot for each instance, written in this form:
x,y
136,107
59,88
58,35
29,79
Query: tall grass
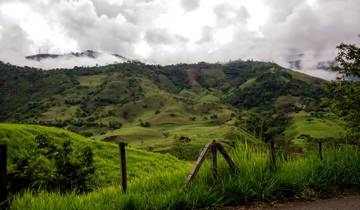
x,y
304,177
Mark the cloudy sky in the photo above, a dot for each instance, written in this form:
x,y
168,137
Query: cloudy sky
x,y
293,33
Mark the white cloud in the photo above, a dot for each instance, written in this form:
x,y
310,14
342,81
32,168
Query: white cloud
x,y
162,31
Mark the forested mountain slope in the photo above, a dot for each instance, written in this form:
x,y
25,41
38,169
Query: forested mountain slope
x,y
109,96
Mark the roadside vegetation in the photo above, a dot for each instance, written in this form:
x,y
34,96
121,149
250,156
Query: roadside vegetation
x,y
293,138
303,177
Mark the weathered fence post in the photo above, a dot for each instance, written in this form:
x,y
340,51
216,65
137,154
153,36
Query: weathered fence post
x,y
3,177
123,165
198,163
211,148
334,147
320,150
272,154
214,161
227,158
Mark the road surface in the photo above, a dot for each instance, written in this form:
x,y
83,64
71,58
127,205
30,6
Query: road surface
x,y
342,203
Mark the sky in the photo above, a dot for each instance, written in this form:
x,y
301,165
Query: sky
x,y
298,34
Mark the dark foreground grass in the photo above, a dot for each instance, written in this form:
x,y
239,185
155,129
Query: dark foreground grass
x,y
301,177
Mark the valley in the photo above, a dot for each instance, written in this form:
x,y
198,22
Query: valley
x,y
56,122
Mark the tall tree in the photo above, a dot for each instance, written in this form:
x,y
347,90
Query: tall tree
x,y
343,95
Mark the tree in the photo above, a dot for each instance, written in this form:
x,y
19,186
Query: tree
x,y
343,95
265,125
348,60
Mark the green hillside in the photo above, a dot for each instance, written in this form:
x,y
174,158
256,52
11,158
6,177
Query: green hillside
x,y
315,127
167,114
183,141
95,100
21,144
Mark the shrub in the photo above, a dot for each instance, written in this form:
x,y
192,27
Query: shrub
x,y
145,124
115,124
53,167
86,133
214,116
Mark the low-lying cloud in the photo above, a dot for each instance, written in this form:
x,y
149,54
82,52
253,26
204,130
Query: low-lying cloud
x,y
296,34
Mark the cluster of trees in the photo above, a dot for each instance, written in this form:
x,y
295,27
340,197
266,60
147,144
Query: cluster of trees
x,y
270,85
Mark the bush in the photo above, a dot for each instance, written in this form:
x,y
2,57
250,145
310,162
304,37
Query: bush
x,y
53,167
115,124
214,116
86,133
300,177
145,124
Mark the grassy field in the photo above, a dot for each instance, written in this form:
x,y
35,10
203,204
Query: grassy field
x,y
21,141
156,181
303,177
92,80
314,127
166,138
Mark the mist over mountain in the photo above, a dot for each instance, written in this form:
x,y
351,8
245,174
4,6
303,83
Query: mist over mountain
x,y
170,32
70,60
89,58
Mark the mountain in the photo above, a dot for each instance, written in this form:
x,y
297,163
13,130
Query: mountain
x,y
103,98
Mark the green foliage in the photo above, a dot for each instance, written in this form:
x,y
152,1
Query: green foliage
x,y
85,98
268,86
23,150
144,123
265,125
303,177
114,124
343,95
51,167
348,60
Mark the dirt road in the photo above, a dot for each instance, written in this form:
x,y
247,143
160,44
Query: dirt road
x,y
343,203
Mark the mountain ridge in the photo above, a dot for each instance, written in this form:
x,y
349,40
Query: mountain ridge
x,y
100,99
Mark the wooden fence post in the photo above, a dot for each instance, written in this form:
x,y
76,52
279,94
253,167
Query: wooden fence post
x,y
320,150
3,177
198,163
211,148
334,147
272,154
123,165
214,161
226,157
